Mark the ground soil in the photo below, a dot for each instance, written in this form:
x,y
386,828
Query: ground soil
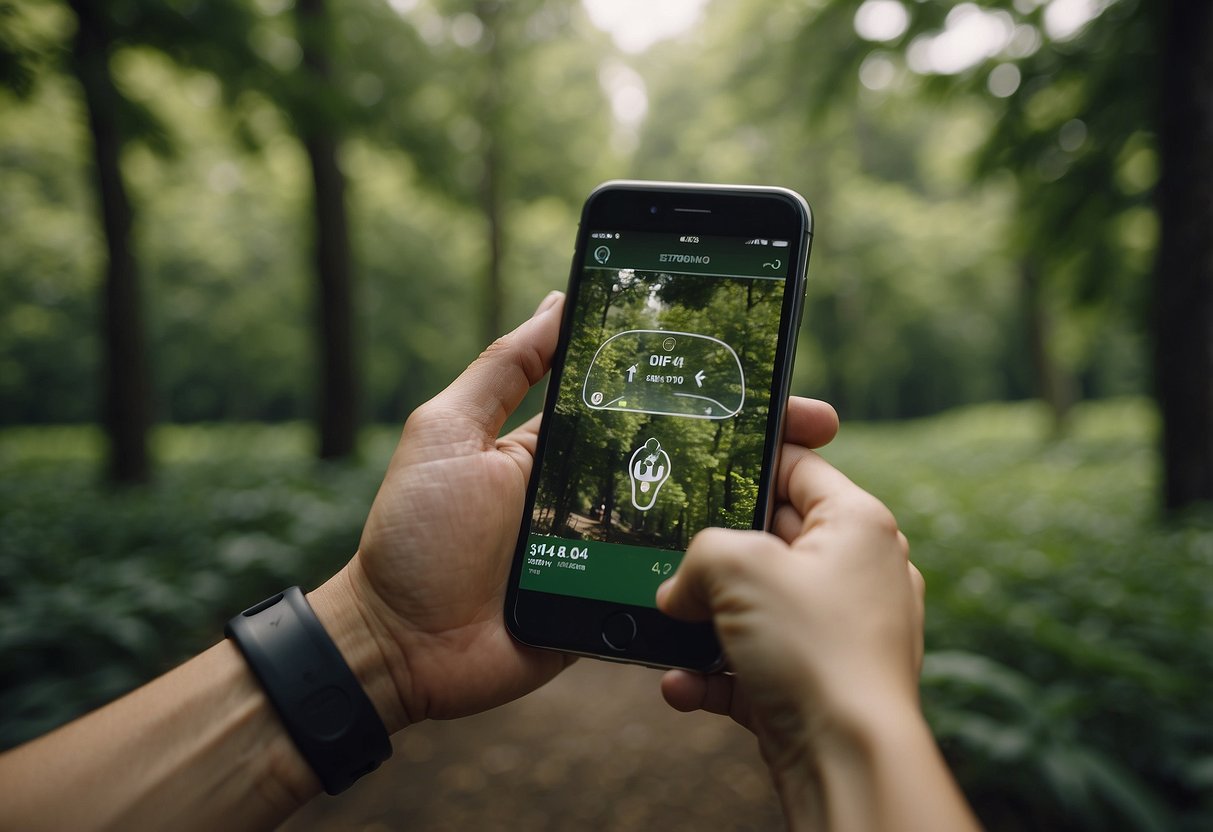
x,y
596,749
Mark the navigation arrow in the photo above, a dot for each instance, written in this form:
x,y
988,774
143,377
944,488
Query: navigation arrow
x,y
699,376
632,372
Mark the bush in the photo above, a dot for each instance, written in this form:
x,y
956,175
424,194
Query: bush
x,y
1069,637
100,591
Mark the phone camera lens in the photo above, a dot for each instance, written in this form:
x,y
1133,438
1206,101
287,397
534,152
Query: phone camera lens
x,y
652,209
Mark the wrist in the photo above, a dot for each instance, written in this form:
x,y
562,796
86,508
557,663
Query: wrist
x,y
283,778
366,647
855,762
823,759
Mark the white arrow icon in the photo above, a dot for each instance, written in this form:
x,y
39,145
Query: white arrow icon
x,y
632,372
699,377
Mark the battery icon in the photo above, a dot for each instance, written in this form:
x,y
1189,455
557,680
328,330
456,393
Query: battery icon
x,y
779,243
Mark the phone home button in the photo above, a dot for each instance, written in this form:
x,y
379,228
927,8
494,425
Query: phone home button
x,y
618,630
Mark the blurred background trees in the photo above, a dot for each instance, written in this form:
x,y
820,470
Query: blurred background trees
x,y
983,173
285,211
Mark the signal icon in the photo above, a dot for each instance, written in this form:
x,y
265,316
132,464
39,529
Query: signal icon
x,y
755,242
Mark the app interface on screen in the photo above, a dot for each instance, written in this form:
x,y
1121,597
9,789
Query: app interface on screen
x,y
661,415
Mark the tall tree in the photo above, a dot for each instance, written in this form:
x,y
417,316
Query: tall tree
x,y
1076,102
505,72
215,37
1183,274
489,113
319,126
126,413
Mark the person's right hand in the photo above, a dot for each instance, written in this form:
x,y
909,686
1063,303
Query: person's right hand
x,y
821,621
419,610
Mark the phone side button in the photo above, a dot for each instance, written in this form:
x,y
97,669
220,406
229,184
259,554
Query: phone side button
x,y
618,630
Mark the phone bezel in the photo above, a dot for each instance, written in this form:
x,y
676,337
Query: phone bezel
x,y
574,624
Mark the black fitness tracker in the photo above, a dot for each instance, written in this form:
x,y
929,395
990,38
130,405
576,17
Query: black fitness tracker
x,y
326,712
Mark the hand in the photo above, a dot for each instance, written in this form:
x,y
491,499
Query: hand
x,y
429,577
821,621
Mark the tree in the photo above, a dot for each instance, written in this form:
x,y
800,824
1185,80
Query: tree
x,y
319,128
1183,274
214,37
126,412
114,122
504,85
1078,131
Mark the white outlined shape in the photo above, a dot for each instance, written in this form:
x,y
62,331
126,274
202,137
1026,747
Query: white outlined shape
x,y
723,399
648,468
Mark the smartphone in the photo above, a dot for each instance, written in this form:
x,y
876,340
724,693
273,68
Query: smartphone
x,y
664,411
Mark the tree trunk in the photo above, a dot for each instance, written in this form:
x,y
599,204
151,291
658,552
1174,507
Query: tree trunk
x,y
1054,386
610,473
337,406
126,390
1183,303
490,182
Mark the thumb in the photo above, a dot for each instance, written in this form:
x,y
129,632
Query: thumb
x,y
492,386
717,562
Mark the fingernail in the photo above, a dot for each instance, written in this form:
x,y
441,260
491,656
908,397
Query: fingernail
x,y
548,302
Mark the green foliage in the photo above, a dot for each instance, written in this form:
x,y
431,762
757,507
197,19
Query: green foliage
x,y
1071,116
223,229
914,298
100,591
1069,633
912,304
49,265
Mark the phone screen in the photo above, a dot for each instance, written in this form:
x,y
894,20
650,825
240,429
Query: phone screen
x,y
661,421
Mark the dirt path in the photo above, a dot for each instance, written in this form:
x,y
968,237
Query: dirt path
x,y
596,749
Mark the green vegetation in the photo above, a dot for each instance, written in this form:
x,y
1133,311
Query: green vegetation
x,y
1001,191
101,591
1069,634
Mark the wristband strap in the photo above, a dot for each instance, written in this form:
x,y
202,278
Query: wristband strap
x,y
325,710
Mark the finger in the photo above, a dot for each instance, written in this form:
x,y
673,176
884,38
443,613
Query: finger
x,y
489,390
920,586
787,524
805,479
520,444
685,691
715,560
717,694
789,458
525,435
810,422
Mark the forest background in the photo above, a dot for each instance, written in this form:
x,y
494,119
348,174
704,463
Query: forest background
x,y
238,235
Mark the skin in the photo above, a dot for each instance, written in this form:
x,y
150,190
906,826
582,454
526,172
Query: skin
x,y
822,625
417,614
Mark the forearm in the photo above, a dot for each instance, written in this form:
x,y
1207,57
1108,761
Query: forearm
x,y
885,774
198,748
